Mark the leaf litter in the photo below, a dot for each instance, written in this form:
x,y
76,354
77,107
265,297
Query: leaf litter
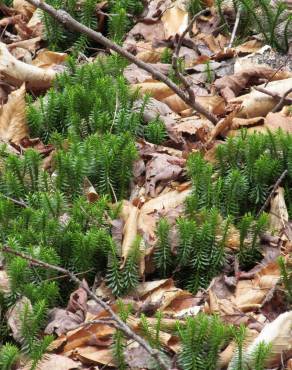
x,y
161,181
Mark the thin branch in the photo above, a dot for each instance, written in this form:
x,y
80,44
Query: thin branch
x,y
281,103
120,324
273,95
15,201
70,23
275,187
237,19
175,57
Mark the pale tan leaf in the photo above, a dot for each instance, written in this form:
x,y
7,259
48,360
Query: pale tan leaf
x,y
56,362
248,47
278,334
4,282
157,90
23,7
47,58
258,104
130,232
89,191
95,355
278,211
175,20
13,316
17,72
13,125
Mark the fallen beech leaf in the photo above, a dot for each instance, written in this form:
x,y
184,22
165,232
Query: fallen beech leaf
x,y
248,47
4,282
13,316
130,232
95,355
250,294
61,321
149,32
231,86
78,300
274,122
134,74
175,20
278,212
223,125
47,58
194,126
56,362
162,168
157,90
138,358
17,72
238,123
145,288
35,24
30,44
23,7
148,212
278,334
258,104
13,125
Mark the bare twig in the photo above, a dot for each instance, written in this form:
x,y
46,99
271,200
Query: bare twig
x,y
120,324
175,57
237,19
15,201
70,23
275,187
273,95
281,103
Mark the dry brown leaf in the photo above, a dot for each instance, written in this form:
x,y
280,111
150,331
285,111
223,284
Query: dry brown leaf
x,y
248,47
157,90
78,300
194,126
56,362
258,104
61,321
162,168
47,58
13,316
149,212
130,232
4,282
175,20
94,355
278,212
30,44
274,122
278,334
23,7
238,123
145,288
231,86
17,72
250,294
35,24
223,125
134,74
13,125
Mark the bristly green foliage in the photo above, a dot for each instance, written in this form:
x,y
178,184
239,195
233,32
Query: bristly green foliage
x,y
119,340
260,355
194,6
77,102
200,252
246,169
155,131
120,21
122,280
163,256
9,355
166,56
250,230
238,361
286,277
202,339
271,20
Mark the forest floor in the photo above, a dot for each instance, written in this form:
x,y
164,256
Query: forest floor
x,y
179,222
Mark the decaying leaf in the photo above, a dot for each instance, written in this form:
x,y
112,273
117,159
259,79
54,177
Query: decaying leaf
x,y
175,19
278,334
56,362
157,90
17,72
13,316
278,211
48,59
13,125
130,232
258,104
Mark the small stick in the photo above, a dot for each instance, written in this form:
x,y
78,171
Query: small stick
x,y
281,103
175,56
18,202
275,187
119,323
72,24
272,94
238,14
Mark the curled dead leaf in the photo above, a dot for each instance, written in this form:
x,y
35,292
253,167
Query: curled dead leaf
x,y
17,72
13,125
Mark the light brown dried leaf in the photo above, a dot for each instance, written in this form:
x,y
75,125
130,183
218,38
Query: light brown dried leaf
x,y
130,232
278,211
56,362
175,20
157,90
17,72
13,125
13,316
